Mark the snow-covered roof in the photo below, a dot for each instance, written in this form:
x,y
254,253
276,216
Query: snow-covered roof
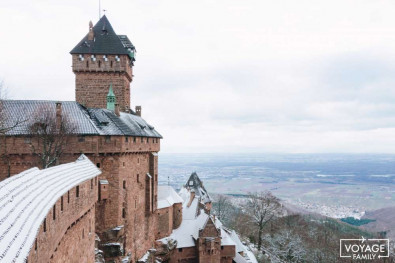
x,y
248,255
88,121
26,199
167,196
188,231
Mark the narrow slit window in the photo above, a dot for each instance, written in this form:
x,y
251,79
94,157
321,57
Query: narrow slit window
x,y
54,212
77,191
61,204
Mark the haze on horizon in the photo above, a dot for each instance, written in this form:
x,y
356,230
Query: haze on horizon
x,y
227,76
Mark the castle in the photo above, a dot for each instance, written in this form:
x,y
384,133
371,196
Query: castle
x,y
120,207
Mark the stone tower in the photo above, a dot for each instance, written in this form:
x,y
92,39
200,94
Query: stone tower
x,y
100,59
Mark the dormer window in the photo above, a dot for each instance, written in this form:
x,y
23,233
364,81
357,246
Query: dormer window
x,y
81,57
117,59
93,58
105,58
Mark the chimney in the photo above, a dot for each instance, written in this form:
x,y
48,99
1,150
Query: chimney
x,y
117,110
91,35
138,111
191,197
58,114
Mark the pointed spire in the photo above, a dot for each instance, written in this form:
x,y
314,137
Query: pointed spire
x,y
111,99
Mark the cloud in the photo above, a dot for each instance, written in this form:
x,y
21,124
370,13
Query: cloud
x,y
222,76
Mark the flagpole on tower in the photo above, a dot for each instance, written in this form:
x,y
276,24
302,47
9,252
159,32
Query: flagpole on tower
x,y
99,9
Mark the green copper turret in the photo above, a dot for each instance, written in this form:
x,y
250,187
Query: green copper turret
x,y
111,99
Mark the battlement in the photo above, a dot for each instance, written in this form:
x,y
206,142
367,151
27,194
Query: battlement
x,y
103,63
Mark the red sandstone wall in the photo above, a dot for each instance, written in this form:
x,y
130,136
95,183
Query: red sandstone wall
x,y
64,233
184,255
93,79
78,244
227,254
17,155
177,215
140,226
165,222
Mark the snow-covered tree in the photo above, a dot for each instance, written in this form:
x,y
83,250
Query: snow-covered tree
x,y
262,207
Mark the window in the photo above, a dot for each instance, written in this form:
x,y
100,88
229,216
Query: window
x,y
35,245
98,165
68,197
54,212
61,204
95,180
134,139
147,140
111,64
108,138
99,63
138,178
124,184
222,247
87,64
126,139
142,139
83,233
91,183
135,203
28,139
81,138
123,213
123,164
77,191
45,225
180,249
138,160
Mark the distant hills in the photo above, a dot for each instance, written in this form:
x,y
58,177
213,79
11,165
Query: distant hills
x,y
385,221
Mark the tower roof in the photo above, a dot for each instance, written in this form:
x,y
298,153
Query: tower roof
x,y
105,41
196,185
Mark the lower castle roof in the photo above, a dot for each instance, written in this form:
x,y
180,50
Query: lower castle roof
x,y
87,121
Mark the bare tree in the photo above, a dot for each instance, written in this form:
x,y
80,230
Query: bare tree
x,y
50,133
6,123
222,206
262,207
286,246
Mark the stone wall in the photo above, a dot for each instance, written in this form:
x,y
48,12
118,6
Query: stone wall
x,y
125,162
184,255
16,154
68,230
93,79
165,222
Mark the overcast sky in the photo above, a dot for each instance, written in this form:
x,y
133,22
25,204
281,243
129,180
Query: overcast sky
x,y
227,75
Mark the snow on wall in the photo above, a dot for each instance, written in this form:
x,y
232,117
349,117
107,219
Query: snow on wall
x,y
26,199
